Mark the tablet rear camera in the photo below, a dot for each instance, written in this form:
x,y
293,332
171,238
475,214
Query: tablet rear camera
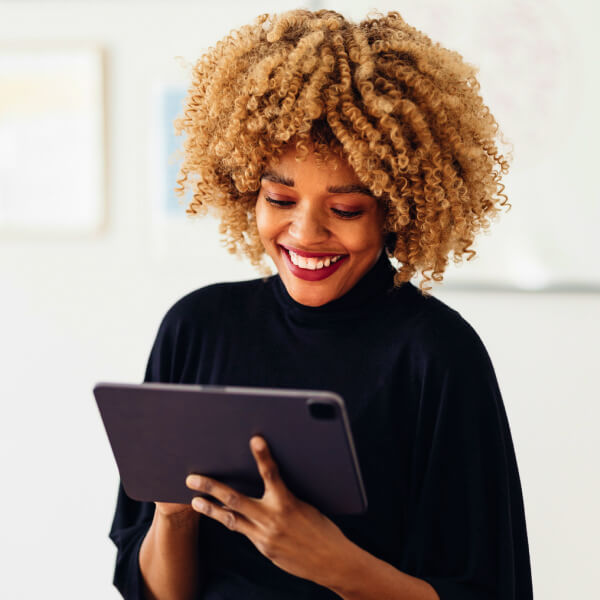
x,y
321,410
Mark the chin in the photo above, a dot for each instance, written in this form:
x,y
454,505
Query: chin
x,y
310,299
312,302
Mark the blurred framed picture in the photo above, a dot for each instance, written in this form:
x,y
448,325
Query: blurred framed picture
x,y
167,152
52,162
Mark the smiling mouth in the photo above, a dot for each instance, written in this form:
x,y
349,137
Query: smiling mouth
x,y
312,263
312,268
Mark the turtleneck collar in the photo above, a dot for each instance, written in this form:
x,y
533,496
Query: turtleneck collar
x,y
367,291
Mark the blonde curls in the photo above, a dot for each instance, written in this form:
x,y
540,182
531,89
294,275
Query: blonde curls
x,y
403,111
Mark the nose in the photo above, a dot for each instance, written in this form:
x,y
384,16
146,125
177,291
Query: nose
x,y
308,226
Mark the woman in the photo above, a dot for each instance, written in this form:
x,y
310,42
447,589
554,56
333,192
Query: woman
x,y
333,147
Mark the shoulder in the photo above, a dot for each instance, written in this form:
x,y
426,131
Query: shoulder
x,y
206,305
440,333
449,362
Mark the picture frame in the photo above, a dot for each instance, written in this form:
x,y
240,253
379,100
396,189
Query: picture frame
x,y
52,139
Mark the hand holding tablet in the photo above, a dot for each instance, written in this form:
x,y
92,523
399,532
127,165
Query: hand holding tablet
x,y
229,497
281,526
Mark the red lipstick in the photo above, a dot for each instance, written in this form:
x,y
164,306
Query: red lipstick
x,y
308,274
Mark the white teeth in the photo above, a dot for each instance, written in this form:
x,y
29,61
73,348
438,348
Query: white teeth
x,y
305,263
312,264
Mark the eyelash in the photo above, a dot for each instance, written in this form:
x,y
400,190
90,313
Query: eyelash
x,y
344,214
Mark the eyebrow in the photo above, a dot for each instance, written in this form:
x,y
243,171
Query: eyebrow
x,y
351,188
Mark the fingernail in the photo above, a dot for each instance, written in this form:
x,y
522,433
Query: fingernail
x,y
193,481
198,504
258,443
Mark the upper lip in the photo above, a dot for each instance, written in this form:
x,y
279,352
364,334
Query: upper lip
x,y
311,254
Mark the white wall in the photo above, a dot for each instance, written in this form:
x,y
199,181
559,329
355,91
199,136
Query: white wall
x,y
78,311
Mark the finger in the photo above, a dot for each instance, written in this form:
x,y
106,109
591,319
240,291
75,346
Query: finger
x,y
267,467
231,498
231,519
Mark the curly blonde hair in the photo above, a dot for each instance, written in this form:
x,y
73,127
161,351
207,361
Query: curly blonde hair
x,y
402,110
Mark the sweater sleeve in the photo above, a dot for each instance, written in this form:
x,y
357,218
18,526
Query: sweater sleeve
x,y
466,532
132,518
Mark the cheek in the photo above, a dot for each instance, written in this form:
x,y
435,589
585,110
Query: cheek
x,y
367,237
261,222
266,223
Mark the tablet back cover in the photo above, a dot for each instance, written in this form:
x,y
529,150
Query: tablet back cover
x,y
160,433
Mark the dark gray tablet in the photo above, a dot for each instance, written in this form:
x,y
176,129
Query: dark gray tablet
x,y
160,433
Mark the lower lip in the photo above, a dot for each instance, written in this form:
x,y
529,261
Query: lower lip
x,y
308,274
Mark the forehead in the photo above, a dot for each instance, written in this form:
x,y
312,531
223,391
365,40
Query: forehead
x,y
330,170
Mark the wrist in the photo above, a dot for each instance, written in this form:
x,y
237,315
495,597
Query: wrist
x,y
345,568
181,520
363,575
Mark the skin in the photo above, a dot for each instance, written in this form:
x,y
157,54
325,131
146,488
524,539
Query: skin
x,y
299,204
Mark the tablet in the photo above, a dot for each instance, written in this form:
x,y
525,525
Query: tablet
x,y
160,433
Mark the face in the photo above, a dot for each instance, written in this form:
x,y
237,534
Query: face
x,y
320,225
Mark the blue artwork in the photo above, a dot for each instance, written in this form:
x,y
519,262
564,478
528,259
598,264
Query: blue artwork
x,y
172,108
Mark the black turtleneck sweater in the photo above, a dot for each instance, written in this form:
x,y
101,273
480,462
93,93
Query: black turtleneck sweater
x,y
431,434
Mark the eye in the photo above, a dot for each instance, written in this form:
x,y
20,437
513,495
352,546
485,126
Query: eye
x,y
280,203
347,214
344,214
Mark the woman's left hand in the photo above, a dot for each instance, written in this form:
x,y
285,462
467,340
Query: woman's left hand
x,y
294,535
